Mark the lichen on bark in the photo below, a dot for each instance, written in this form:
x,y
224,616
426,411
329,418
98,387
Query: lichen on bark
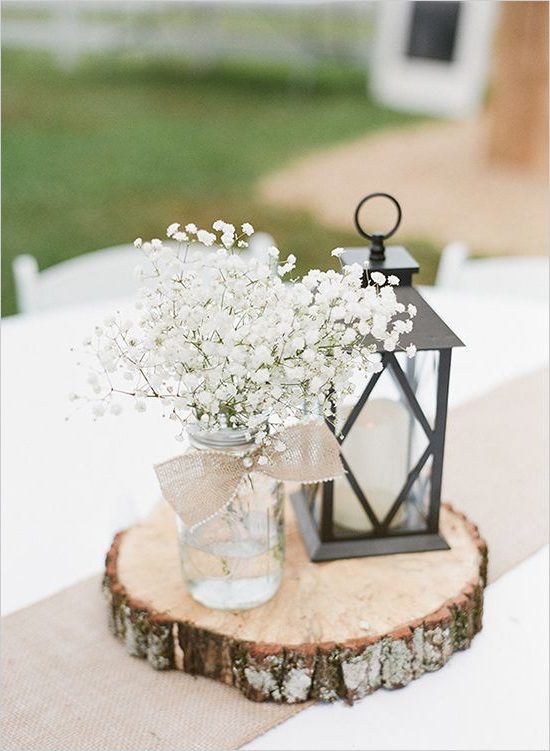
x,y
397,663
160,646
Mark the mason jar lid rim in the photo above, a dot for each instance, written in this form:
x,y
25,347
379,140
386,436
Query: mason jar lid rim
x,y
226,438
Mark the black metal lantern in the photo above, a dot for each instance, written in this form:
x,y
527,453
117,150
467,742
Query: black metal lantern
x,y
392,435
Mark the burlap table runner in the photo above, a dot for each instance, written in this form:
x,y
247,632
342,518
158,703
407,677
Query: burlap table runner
x,y
496,468
69,685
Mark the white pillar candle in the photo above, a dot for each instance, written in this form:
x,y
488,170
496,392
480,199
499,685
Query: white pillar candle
x,y
376,450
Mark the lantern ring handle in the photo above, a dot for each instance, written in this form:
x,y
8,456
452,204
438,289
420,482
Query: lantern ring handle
x,y
360,206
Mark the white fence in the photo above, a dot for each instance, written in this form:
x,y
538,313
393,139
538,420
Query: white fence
x,y
305,31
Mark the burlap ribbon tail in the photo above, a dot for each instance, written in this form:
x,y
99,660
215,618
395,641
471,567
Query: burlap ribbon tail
x,y
200,483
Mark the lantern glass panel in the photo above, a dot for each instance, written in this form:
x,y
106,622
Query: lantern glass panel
x,y
387,450
376,452
422,375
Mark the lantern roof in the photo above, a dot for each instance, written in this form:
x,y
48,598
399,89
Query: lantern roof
x,y
429,330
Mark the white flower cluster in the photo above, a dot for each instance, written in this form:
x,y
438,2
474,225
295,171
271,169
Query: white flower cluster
x,y
224,341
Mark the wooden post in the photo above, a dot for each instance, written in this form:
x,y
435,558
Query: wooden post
x,y
518,108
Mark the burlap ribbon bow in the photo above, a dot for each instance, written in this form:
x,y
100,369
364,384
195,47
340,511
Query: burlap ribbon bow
x,y
200,483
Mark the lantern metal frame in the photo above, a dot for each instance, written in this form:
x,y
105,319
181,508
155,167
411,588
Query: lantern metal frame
x,y
323,540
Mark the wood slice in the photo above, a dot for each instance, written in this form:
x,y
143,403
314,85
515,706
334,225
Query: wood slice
x,y
335,629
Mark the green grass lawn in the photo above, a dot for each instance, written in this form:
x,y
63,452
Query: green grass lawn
x,y
122,147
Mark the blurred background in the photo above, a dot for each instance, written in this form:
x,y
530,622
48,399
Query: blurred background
x,y
120,117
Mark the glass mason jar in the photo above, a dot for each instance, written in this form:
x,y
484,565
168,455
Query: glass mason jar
x,y
234,560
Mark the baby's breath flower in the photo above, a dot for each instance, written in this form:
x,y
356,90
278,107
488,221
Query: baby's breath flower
x,y
402,327
390,343
288,265
411,310
138,242
172,229
337,252
228,238
378,278
205,237
220,341
349,336
393,280
410,349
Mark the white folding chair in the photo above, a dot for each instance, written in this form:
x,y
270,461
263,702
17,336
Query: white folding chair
x,y
518,276
258,245
100,275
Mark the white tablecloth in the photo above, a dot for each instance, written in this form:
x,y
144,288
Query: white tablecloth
x,y
492,696
68,485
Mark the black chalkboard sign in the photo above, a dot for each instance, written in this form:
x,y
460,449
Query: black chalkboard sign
x,y
433,30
